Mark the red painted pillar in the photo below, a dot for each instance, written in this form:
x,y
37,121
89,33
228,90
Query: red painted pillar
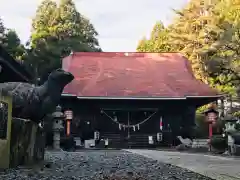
x,y
210,130
68,126
211,118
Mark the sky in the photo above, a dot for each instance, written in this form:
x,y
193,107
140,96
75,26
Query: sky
x,y
120,23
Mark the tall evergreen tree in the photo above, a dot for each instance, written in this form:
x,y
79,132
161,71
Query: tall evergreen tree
x,y
224,55
56,31
190,33
143,45
206,33
40,53
12,44
158,41
10,41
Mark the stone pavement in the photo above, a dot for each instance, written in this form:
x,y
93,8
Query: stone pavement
x,y
99,165
216,167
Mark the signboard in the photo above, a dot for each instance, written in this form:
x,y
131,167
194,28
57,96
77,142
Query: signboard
x,y
150,140
78,141
159,137
3,119
96,135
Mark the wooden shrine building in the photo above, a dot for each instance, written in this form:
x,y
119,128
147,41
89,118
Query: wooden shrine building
x,y
131,97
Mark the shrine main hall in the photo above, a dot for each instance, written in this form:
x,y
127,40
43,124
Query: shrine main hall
x,y
131,98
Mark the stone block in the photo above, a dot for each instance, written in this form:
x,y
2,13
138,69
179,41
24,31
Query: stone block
x,y
25,146
21,141
27,142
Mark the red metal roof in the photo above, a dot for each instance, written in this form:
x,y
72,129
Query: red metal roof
x,y
132,75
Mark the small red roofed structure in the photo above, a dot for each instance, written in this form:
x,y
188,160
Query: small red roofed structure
x,y
126,95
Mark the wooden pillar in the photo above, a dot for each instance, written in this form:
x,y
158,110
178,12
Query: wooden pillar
x,y
222,108
128,124
231,105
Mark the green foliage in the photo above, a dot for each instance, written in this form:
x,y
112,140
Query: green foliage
x,y
237,114
11,42
158,41
190,34
13,45
201,109
2,31
201,129
224,61
57,30
208,34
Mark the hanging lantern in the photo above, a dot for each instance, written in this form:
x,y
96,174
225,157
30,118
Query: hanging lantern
x,y
134,128
119,126
69,114
138,126
211,118
69,117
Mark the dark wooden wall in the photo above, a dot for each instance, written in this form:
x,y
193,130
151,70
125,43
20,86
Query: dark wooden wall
x,y
88,117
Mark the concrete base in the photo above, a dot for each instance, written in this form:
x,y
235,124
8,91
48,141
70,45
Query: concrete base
x,y
216,167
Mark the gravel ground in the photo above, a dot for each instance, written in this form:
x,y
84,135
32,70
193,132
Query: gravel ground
x,y
99,165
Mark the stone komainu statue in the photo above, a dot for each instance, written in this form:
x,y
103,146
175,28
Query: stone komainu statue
x,y
31,102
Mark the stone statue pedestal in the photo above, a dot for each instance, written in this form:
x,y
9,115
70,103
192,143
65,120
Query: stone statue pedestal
x,y
27,143
56,140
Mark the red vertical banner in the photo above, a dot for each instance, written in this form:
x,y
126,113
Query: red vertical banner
x,y
161,124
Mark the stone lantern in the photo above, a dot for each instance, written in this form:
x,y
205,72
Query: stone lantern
x,y
230,124
58,118
230,129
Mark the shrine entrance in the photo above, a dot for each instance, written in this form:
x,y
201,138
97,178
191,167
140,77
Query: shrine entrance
x,y
132,123
131,128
